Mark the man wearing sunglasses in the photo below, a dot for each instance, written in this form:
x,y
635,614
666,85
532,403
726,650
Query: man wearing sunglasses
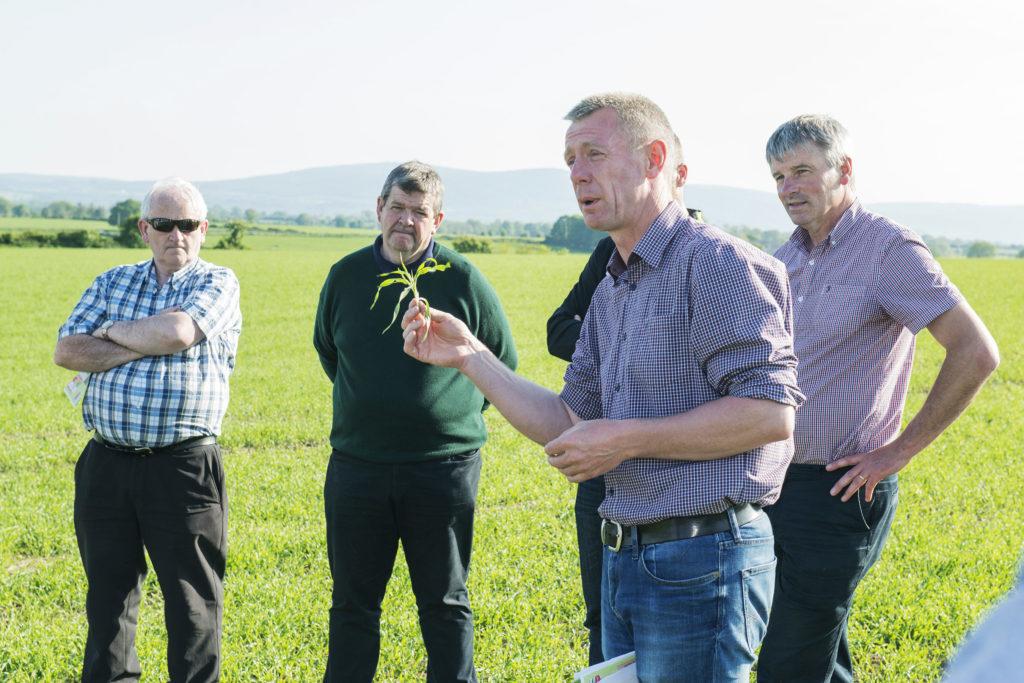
x,y
159,340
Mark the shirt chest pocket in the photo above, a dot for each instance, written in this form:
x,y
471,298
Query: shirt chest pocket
x,y
655,360
840,309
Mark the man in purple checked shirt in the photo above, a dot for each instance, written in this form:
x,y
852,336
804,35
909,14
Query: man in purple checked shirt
x,y
862,288
681,392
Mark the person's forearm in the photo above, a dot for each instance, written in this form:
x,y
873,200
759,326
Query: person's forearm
x,y
536,412
719,429
84,352
963,373
157,335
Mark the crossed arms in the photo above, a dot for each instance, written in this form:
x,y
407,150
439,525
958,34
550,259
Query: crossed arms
x,y
169,331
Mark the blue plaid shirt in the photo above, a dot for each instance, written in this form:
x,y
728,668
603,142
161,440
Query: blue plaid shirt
x,y
694,316
160,400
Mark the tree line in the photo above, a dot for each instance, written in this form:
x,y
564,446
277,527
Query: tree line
x,y
568,232
60,209
368,220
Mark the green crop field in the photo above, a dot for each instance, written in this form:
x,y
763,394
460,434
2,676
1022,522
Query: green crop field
x,y
952,553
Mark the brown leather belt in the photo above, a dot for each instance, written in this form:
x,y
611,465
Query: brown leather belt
x,y
675,528
144,451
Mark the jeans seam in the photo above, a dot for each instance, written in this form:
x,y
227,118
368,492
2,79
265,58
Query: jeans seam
x,y
860,509
745,574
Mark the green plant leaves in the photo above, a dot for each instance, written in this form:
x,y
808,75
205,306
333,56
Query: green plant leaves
x,y
404,276
398,305
431,265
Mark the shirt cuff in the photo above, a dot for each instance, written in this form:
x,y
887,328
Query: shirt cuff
x,y
770,388
586,405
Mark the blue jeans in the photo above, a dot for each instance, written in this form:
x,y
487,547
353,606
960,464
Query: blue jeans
x,y
695,609
427,507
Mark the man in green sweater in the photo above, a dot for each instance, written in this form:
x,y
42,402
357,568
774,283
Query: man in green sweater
x,y
406,438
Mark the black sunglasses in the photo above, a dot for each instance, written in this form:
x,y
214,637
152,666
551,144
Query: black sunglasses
x,y
185,225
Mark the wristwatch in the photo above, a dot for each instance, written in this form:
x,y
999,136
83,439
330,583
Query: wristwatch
x,y
104,330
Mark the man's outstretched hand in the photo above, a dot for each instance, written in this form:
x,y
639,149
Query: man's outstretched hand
x,y
442,340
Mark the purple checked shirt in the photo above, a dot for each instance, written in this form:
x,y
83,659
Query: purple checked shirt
x,y
694,316
859,296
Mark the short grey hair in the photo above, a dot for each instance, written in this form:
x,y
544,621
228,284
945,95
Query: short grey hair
x,y
820,130
415,176
641,119
679,157
180,189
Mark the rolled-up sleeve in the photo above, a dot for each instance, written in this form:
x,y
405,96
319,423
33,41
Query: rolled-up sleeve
x,y
582,390
743,324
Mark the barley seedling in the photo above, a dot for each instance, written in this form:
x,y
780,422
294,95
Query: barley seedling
x,y
403,276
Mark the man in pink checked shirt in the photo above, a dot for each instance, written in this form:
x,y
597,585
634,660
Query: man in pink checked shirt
x,y
863,287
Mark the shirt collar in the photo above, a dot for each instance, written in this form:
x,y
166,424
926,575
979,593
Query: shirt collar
x,y
385,265
846,223
652,246
177,276
802,239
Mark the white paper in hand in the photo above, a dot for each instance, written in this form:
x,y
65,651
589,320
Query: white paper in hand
x,y
75,389
621,669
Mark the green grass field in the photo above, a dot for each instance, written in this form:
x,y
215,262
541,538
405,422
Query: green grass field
x,y
954,546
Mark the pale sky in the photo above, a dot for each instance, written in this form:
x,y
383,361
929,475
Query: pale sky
x,y
211,90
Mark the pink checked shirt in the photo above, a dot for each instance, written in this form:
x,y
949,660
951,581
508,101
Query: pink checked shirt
x,y
859,297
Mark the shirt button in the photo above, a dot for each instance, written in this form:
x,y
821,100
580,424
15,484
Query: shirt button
x,y
611,492
811,262
800,299
623,337
632,286
617,387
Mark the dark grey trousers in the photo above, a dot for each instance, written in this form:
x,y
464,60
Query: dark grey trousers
x,y
173,505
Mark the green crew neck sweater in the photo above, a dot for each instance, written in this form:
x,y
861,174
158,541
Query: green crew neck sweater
x,y
389,407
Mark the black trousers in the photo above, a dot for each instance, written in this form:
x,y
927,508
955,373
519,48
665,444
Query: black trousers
x,y
824,548
173,505
429,507
589,496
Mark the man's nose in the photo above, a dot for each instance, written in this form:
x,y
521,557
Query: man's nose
x,y
579,171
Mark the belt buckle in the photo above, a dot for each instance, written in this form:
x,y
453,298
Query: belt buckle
x,y
611,527
143,451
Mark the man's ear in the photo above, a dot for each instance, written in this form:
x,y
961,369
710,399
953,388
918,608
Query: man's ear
x,y
438,217
144,230
380,211
681,172
657,157
846,171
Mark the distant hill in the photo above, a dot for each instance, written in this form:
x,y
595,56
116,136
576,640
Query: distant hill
x,y
534,195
